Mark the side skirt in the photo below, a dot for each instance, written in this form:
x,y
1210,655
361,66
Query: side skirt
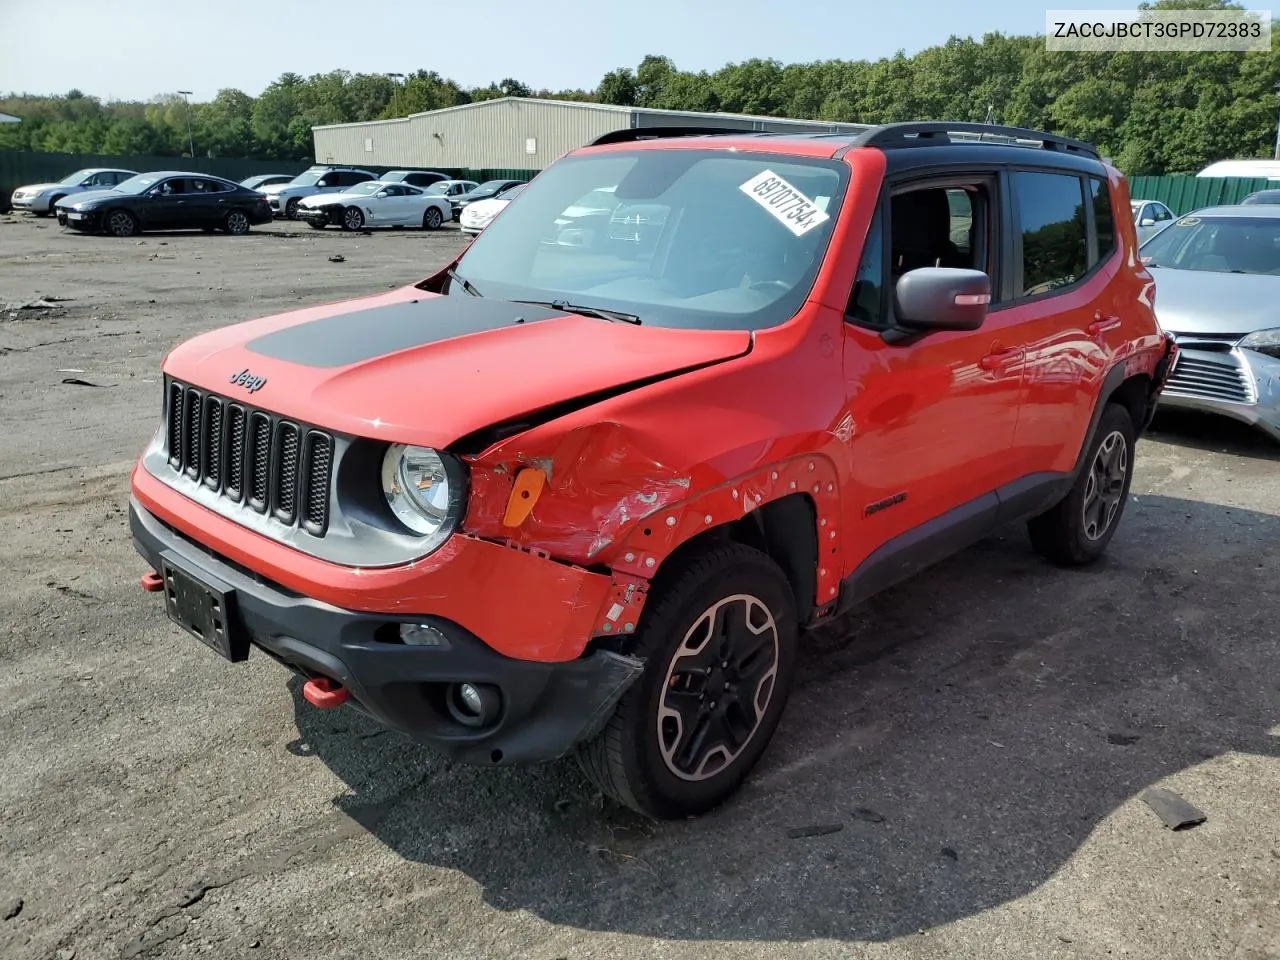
x,y
916,550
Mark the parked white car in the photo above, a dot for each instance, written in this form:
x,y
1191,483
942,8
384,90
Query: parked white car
x,y
376,204
1150,217
285,197
40,198
476,216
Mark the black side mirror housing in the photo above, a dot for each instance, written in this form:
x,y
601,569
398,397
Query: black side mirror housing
x,y
941,298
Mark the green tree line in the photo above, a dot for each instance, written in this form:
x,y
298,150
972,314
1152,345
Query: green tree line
x,y
1152,113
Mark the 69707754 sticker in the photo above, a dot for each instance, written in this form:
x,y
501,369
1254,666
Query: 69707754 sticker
x,y
789,206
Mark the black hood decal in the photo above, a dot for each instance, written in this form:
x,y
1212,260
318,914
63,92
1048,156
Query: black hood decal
x,y
360,335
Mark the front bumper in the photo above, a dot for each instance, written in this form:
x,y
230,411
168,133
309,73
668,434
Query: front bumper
x,y
315,215
546,707
78,221
1241,384
30,204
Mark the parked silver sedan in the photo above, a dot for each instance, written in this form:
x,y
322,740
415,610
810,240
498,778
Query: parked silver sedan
x,y
1217,275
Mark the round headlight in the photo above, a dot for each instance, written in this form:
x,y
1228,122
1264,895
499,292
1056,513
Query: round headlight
x,y
423,493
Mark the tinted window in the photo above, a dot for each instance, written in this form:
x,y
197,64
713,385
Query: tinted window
x,y
1103,219
359,177
864,304
1052,223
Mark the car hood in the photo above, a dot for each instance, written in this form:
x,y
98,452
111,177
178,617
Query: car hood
x,y
414,367
275,188
1204,302
324,199
90,197
41,187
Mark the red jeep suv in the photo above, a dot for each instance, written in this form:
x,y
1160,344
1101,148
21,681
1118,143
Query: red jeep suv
x,y
691,393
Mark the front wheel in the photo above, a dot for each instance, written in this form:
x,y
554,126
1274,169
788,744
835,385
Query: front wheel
x,y
53,207
352,218
718,637
433,219
121,223
291,208
1078,528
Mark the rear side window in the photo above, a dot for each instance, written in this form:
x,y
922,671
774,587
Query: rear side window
x,y
1104,223
1051,221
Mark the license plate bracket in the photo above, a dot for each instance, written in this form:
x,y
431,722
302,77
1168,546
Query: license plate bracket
x,y
205,607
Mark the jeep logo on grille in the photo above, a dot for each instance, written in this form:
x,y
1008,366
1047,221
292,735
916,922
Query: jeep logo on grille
x,y
247,380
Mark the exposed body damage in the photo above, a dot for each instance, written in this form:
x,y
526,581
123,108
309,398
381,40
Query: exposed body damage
x,y
582,489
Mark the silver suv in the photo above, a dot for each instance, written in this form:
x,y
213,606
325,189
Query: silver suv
x,y
284,197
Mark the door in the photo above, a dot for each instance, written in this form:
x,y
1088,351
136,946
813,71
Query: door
x,y
409,206
1064,308
930,420
209,203
166,204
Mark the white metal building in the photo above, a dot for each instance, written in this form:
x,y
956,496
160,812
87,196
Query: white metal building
x,y
515,133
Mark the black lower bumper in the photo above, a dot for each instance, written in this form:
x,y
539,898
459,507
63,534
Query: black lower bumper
x,y
545,708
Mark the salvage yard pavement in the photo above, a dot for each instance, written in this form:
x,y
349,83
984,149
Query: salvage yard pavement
x,y
960,773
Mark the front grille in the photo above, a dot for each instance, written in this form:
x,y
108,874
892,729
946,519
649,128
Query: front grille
x,y
1209,376
269,463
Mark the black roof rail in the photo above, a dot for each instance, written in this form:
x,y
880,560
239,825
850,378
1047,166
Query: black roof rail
x,y
937,132
631,134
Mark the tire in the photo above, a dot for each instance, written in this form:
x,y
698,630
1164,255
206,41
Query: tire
x,y
291,208
120,223
317,224
352,219
643,757
52,211
236,223
1078,528
433,219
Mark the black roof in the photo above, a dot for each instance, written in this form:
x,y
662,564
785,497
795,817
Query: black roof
x,y
948,142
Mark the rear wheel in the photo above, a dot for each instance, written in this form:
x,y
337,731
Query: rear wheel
x,y
718,636
1078,528
237,222
433,219
121,223
352,218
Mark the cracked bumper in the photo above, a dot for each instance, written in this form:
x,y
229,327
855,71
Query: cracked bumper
x,y
546,707
1241,384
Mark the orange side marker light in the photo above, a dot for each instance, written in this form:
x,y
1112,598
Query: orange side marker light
x,y
524,494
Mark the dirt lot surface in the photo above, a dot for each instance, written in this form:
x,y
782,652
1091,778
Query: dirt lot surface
x,y
980,737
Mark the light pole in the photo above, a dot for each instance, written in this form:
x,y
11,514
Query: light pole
x,y
191,142
398,79
1277,156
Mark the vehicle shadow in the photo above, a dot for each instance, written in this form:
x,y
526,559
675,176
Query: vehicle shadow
x,y
965,733
1217,434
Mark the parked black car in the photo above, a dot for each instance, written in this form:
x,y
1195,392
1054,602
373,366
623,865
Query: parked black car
x,y
486,191
1262,196
169,200
260,180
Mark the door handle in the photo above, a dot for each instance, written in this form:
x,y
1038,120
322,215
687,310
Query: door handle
x,y
1101,324
999,360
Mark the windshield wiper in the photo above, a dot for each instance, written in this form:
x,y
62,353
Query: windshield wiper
x,y
461,281
599,313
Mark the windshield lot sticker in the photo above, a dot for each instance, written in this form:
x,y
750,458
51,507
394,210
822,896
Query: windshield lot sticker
x,y
789,206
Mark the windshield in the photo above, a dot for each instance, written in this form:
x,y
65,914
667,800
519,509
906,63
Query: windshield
x,y
437,188
138,184
513,192
698,239
491,185
308,178
366,189
1217,244
75,178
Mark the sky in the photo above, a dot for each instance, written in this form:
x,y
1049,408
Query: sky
x,y
136,49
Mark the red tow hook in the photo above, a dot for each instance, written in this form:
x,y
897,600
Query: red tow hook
x,y
324,693
152,582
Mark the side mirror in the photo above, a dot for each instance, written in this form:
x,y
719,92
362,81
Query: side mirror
x,y
382,193
322,183
942,298
1146,222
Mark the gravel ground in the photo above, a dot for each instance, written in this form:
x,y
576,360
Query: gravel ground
x,y
974,743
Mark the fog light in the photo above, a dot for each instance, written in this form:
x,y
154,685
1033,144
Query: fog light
x,y
473,704
422,635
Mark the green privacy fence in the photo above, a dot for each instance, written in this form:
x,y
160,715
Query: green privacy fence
x,y
1184,194
19,167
